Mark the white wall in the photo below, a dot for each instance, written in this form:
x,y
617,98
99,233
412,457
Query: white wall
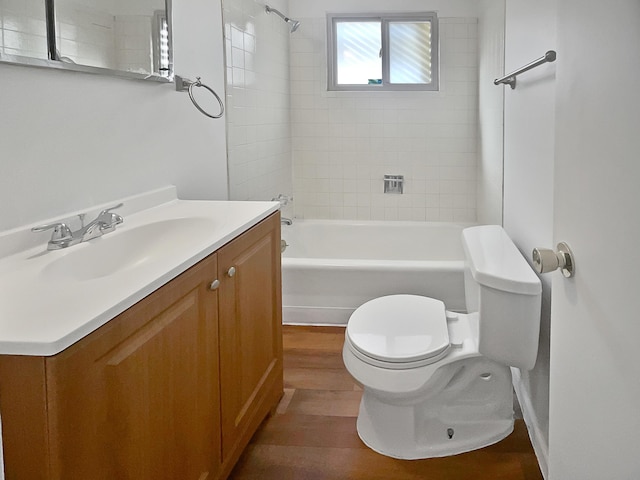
x,y
344,142
258,118
138,7
446,8
490,110
70,140
529,127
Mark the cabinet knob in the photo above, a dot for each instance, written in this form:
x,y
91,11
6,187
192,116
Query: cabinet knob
x,y
231,272
214,285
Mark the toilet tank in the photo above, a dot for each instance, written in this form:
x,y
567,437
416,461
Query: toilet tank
x,y
501,286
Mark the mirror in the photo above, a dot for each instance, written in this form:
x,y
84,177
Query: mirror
x,y
23,28
128,38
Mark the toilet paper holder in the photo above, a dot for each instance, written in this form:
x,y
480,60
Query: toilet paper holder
x,y
546,260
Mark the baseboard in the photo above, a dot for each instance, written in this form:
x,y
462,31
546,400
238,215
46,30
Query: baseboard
x,y
315,315
538,440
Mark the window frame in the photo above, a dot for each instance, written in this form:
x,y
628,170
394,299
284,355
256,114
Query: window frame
x,y
385,19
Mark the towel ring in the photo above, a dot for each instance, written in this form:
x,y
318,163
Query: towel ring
x,y
198,83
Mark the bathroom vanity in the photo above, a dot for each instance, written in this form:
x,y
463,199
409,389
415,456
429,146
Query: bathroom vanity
x,y
172,387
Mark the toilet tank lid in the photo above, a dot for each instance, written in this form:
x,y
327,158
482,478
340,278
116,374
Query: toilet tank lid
x,y
496,262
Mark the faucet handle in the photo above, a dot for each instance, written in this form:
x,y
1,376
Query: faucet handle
x,y
60,230
283,199
108,210
109,220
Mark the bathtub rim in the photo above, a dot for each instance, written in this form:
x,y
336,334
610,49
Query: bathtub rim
x,y
297,263
395,223
366,262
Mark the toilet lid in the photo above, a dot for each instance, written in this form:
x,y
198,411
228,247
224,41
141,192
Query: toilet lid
x,y
400,328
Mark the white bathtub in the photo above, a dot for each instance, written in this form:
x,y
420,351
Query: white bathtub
x,y
332,267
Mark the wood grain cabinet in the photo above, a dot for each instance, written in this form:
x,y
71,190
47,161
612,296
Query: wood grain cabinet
x,y
250,335
171,389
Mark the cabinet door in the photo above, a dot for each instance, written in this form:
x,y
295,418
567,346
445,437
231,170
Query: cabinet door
x,y
138,399
250,333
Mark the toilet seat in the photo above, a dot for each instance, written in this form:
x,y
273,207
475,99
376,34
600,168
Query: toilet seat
x,y
399,331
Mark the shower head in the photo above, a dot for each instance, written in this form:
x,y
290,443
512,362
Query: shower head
x,y
295,24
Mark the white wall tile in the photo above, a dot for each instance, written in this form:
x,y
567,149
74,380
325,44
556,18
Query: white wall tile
x,y
259,122
429,137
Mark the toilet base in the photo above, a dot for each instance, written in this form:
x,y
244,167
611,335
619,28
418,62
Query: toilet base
x,y
471,412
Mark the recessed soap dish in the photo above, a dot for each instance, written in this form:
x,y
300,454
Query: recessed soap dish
x,y
393,184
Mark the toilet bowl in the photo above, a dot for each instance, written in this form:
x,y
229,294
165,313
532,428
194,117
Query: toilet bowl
x,y
435,382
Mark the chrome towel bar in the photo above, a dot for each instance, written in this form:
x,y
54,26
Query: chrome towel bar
x,y
186,85
510,79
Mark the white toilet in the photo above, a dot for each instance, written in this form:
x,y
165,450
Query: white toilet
x,y
438,383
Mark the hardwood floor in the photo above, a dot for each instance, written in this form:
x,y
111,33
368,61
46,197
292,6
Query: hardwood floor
x,y
312,435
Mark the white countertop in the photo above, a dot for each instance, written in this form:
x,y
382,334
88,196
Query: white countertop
x,y
44,308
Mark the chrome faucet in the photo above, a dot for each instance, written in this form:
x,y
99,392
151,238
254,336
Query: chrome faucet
x,y
284,200
63,237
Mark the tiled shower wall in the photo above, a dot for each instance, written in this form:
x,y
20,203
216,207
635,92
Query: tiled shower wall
x,y
258,102
344,142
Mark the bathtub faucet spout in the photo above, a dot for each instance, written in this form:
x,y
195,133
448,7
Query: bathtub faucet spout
x,y
284,200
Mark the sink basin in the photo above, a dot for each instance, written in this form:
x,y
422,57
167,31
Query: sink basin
x,y
125,249
53,298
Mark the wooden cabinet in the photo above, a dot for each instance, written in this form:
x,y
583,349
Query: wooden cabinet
x,y
250,341
172,388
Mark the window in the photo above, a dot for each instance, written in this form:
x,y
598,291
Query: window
x,y
396,51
